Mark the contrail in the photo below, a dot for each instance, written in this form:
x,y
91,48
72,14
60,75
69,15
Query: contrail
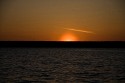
x,y
79,30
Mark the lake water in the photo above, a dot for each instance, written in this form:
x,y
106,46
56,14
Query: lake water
x,y
62,65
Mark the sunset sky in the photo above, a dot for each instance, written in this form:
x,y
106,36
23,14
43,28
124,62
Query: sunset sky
x,y
55,20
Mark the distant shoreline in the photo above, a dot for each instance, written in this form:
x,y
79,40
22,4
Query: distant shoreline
x,y
76,44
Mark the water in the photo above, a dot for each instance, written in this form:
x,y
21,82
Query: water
x,y
62,65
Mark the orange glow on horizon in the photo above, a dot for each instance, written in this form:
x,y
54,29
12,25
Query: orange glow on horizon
x,y
68,37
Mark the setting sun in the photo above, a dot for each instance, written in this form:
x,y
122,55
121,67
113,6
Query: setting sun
x,y
68,37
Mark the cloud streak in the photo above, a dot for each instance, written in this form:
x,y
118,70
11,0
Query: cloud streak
x,y
83,31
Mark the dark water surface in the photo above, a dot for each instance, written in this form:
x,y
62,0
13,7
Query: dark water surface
x,y
62,65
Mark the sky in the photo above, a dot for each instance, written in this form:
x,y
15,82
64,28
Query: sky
x,y
56,20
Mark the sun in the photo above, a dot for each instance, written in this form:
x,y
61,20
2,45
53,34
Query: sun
x,y
68,37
